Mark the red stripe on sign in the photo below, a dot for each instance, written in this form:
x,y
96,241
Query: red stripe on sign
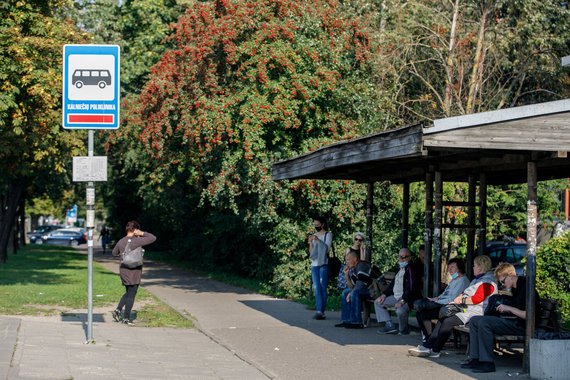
x,y
79,118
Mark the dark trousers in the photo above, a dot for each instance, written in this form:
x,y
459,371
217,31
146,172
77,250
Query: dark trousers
x,y
128,300
424,318
481,335
442,332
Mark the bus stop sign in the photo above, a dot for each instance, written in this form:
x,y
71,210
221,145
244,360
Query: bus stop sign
x,y
91,86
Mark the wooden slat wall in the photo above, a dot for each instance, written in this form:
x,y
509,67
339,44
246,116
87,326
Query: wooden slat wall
x,y
545,133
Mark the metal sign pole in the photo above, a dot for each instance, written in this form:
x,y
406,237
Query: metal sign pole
x,y
90,224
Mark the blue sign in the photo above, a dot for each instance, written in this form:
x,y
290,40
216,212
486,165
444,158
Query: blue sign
x,y
91,84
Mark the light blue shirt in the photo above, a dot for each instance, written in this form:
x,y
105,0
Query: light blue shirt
x,y
455,288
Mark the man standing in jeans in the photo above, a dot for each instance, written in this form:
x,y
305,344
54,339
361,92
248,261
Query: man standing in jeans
x,y
358,279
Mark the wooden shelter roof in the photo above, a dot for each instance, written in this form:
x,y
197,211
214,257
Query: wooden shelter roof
x,y
498,143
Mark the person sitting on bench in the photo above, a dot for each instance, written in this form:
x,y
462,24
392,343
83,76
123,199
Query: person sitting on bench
x,y
401,292
468,304
428,308
358,280
509,320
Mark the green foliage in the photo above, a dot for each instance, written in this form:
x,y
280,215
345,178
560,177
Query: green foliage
x,y
247,84
507,214
480,56
553,272
31,141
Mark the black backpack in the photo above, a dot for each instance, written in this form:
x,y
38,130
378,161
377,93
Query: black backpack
x,y
334,264
334,268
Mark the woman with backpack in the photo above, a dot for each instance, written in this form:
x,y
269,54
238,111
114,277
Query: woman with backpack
x,y
130,277
319,245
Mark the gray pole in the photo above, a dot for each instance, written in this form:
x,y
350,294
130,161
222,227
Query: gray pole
x,y
369,220
89,225
531,232
437,233
471,219
428,233
405,214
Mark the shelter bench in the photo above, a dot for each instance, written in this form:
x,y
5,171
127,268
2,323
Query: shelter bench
x,y
547,319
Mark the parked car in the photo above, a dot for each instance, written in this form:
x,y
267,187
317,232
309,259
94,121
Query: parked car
x,y
63,236
36,235
511,253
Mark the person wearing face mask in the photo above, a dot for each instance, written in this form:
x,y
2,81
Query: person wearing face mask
x,y
428,308
401,292
319,246
472,301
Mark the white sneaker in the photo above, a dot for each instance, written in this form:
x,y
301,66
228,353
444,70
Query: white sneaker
x,y
419,351
433,354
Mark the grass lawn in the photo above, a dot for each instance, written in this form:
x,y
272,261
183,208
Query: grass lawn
x,y
50,279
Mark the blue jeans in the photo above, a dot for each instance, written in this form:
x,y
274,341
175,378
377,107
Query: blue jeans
x,y
351,311
320,276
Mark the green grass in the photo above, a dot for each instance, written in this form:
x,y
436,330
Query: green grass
x,y
49,279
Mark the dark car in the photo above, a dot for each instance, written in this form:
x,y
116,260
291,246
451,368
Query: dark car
x,y
511,253
64,237
36,235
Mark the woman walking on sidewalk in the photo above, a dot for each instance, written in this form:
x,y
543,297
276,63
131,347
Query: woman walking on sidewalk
x,y
130,277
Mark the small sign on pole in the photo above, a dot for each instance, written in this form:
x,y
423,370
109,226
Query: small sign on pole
x,y
90,169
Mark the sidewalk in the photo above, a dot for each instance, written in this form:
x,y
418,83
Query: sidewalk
x,y
239,335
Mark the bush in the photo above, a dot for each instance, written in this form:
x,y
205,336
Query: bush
x,y
553,272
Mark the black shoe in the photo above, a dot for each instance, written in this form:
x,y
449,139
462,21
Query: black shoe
x,y
319,316
354,326
116,315
128,322
484,367
472,363
343,324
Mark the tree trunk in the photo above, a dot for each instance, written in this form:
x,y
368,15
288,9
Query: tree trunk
x,y
476,74
9,204
449,63
22,224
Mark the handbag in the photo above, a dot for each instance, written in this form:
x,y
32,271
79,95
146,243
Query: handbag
x,y
494,301
425,304
450,310
132,258
375,290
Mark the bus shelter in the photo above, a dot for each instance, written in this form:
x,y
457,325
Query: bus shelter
x,y
517,145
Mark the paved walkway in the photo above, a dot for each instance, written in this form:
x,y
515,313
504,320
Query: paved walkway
x,y
239,335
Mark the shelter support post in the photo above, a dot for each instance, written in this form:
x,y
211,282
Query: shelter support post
x,y
567,203
405,214
437,232
482,215
471,219
532,218
428,232
369,216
